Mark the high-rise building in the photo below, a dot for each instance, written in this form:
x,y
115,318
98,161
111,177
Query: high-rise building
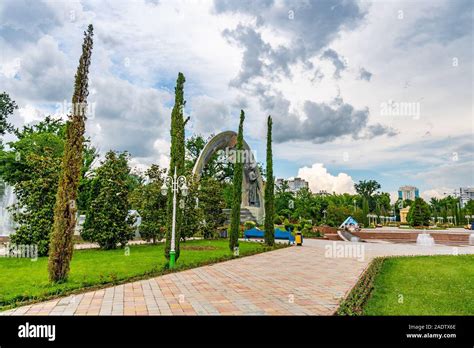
x,y
294,185
466,194
408,192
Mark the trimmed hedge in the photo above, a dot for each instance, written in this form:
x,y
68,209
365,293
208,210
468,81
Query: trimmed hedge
x,y
354,303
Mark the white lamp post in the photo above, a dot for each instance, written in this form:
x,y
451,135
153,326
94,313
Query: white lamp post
x,y
174,183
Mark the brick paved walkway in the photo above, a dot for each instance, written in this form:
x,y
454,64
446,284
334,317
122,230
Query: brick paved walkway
x,y
291,281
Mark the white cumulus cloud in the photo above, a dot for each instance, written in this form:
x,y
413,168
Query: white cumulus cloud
x,y
439,192
319,178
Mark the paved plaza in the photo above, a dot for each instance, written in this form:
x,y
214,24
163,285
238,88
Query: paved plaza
x,y
307,280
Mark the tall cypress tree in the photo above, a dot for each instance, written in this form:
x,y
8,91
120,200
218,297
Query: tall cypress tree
x,y
237,187
177,154
269,190
61,246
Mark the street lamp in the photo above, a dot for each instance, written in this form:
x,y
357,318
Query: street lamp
x,y
175,183
355,204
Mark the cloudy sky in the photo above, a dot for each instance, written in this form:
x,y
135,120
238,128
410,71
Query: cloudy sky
x,y
357,89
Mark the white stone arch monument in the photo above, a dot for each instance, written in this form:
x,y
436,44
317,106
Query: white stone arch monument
x,y
252,183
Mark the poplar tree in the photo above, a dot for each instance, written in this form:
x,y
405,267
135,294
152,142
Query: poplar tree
x,y
61,246
177,156
269,190
237,187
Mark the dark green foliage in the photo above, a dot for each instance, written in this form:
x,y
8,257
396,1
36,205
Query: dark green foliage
x,y
107,220
84,198
32,166
371,202
284,201
237,190
191,214
304,204
177,161
450,206
278,220
469,207
365,211
367,188
61,246
35,179
227,192
7,106
211,203
419,213
335,215
269,190
147,199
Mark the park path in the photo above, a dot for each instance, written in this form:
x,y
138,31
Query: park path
x,y
292,281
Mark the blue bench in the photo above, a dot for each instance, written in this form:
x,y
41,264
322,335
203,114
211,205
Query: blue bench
x,y
279,234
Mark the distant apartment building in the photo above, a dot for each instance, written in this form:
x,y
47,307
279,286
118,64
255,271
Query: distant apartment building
x,y
466,194
408,192
294,185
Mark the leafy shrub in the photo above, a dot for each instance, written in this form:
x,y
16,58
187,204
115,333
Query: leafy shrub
x,y
278,220
248,225
288,225
354,303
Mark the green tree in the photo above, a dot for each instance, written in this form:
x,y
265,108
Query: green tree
x,y
284,200
211,203
469,207
7,106
419,213
107,220
365,211
191,214
304,204
237,189
336,215
194,145
147,199
32,166
61,247
367,188
177,162
269,190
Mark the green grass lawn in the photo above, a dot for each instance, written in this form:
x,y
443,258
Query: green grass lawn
x,y
26,280
424,285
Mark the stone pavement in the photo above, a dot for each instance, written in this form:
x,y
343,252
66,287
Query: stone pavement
x,y
308,280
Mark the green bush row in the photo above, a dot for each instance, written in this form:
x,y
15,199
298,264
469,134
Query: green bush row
x,y
354,303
